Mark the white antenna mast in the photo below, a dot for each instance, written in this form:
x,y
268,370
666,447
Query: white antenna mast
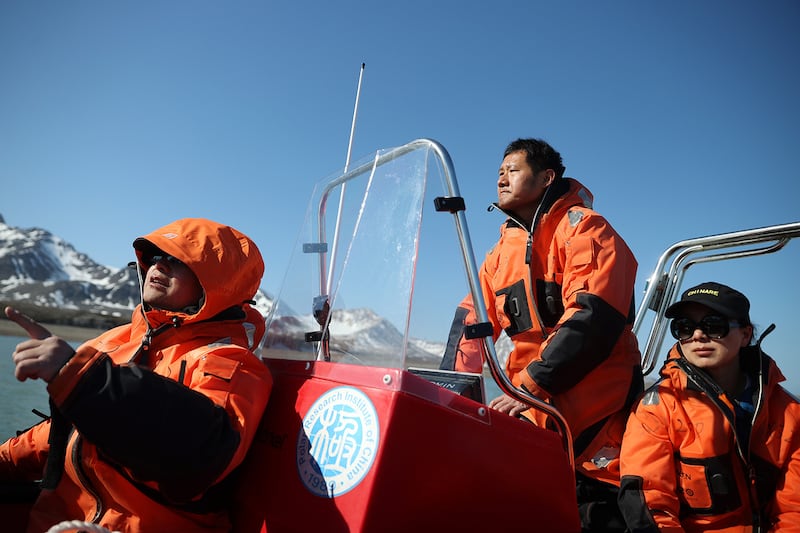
x,y
344,185
324,346
355,115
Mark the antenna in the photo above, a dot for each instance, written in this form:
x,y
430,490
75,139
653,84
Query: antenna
x,y
355,115
344,185
324,345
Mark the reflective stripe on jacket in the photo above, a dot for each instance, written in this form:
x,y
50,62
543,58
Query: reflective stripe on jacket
x,y
683,468
147,439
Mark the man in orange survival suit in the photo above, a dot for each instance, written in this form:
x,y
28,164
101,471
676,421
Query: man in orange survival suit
x,y
560,283
150,419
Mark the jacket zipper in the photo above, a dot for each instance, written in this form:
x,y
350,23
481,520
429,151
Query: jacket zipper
x,y
528,256
713,392
76,458
142,355
751,478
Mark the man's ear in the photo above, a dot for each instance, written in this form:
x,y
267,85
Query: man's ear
x,y
550,176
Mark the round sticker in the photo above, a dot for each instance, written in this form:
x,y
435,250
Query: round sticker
x,y
338,442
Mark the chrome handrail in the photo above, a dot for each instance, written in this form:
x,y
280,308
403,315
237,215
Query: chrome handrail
x,y
664,283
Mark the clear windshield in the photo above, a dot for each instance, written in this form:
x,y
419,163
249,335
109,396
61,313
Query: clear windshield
x,y
347,295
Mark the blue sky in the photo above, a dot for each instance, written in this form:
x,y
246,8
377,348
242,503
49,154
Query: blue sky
x,y
681,117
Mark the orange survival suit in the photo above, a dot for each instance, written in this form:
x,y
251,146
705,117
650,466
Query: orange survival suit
x,y
685,469
563,292
150,419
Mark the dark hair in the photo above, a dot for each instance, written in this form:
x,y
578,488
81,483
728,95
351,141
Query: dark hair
x,y
539,154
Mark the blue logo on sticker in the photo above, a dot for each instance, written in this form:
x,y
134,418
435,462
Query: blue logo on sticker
x,y
338,442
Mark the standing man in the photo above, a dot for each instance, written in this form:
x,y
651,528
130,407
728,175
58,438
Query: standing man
x,y
560,283
150,419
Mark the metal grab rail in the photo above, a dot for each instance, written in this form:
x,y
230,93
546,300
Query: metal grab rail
x,y
663,285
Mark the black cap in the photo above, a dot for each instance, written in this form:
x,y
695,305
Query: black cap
x,y
721,298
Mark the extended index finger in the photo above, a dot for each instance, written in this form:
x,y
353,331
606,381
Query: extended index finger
x,y
33,328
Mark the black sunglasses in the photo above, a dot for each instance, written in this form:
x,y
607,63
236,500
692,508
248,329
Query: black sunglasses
x,y
152,259
713,326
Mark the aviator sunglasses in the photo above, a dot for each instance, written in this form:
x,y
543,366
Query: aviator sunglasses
x,y
713,326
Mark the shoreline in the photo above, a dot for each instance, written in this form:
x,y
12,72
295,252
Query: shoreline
x,y
68,333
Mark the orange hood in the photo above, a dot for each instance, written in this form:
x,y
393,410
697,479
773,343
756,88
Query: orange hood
x,y
227,263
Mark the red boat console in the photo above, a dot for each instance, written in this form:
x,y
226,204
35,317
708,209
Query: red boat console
x,y
358,448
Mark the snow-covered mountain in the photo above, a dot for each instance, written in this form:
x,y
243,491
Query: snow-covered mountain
x,y
356,335
39,270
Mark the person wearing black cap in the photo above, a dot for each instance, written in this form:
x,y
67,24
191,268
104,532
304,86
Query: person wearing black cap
x,y
715,443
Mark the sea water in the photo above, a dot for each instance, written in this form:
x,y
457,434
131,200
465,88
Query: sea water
x,y
19,398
